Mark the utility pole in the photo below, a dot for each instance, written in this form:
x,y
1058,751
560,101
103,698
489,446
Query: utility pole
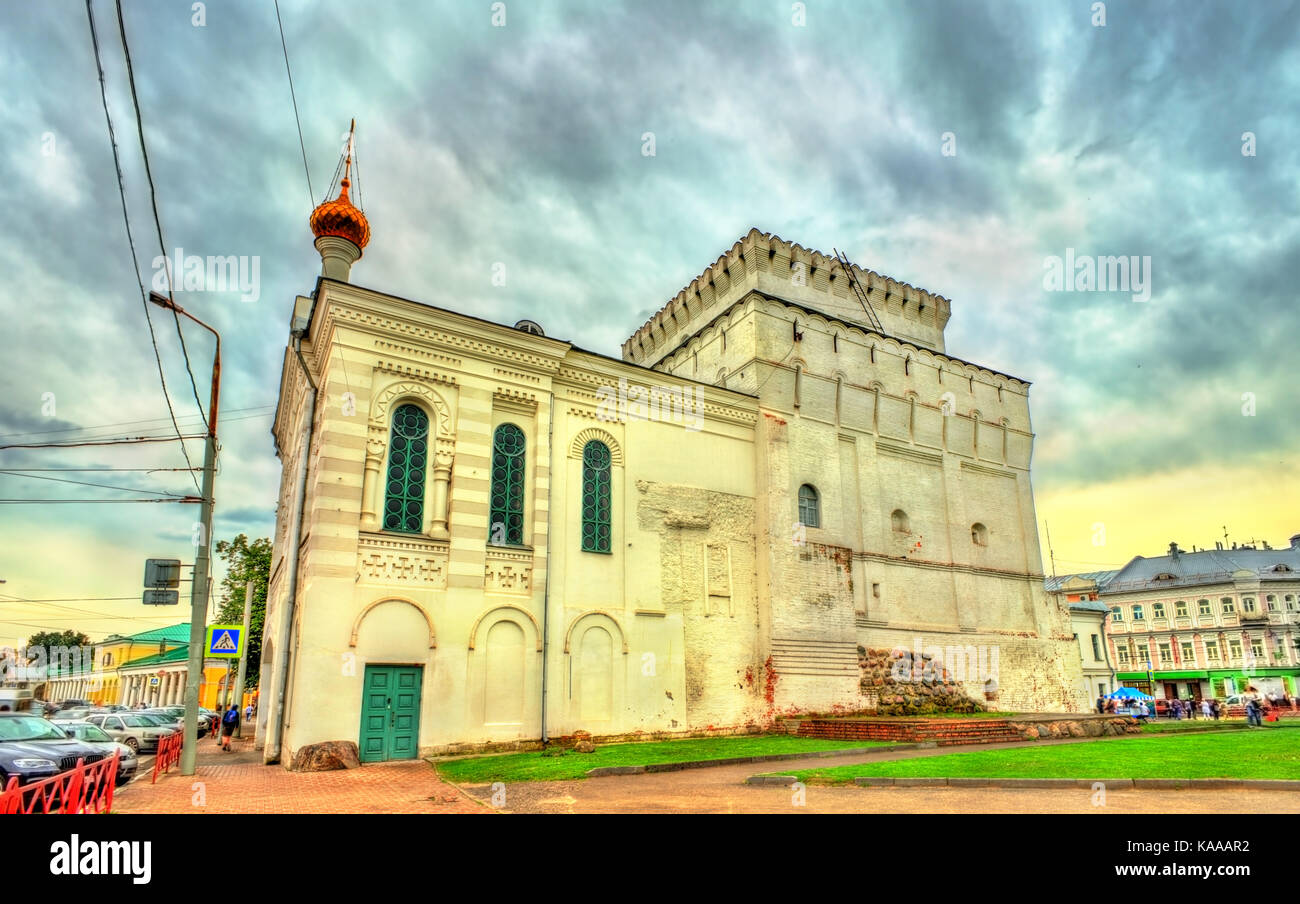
x,y
199,588
243,659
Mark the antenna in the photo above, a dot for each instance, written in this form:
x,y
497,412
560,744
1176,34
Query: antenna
x,y
858,291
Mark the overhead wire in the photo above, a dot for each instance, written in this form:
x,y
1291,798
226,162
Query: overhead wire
x,y
102,486
153,198
118,441
189,499
127,423
293,96
135,262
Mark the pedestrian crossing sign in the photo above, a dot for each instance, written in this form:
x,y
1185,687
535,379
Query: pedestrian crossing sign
x,y
224,642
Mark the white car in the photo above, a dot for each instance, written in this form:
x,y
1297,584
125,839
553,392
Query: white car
x,y
133,731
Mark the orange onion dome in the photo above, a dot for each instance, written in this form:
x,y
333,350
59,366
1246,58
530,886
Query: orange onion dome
x,y
341,218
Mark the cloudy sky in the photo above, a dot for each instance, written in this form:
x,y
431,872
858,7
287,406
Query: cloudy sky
x,y
522,144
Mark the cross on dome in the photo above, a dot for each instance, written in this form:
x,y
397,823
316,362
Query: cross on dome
x,y
340,217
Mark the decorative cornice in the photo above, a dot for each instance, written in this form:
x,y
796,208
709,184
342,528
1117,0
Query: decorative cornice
x,y
517,375
384,346
985,469
843,328
419,373
886,448
385,325
754,253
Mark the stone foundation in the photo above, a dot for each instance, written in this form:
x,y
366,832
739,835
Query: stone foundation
x,y
948,732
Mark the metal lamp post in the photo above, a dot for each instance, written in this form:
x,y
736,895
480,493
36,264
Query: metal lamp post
x,y
199,587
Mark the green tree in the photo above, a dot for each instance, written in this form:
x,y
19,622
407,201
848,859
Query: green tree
x,y
246,561
51,639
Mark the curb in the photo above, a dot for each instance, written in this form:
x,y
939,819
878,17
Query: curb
x,y
785,781
600,771
1140,784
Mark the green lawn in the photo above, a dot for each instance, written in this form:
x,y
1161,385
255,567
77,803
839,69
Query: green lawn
x,y
538,767
1237,754
1183,725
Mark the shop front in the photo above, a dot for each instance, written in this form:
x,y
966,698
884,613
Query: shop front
x,y
1182,685
1227,682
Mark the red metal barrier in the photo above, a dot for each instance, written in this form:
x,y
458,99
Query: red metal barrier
x,y
169,754
82,789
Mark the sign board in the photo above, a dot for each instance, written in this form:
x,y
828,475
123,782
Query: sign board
x,y
153,681
161,597
162,574
224,642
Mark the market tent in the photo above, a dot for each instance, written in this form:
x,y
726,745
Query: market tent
x,y
1129,693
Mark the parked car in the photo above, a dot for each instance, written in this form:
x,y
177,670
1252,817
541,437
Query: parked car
x,y
75,703
77,714
33,748
178,714
162,720
127,762
129,728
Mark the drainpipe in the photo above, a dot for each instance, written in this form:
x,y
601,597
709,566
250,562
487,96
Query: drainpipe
x,y
284,629
1105,648
546,586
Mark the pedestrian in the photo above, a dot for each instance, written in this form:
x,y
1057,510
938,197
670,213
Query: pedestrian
x,y
216,722
228,724
248,713
1252,712
1101,704
1191,708
1207,709
1176,709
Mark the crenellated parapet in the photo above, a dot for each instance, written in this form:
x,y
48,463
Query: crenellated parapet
x,y
769,264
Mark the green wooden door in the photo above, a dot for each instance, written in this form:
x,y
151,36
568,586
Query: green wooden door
x,y
390,713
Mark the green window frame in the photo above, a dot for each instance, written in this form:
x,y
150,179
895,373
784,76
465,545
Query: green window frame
x,y
596,533
506,506
408,460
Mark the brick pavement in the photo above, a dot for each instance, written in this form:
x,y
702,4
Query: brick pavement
x,y
238,783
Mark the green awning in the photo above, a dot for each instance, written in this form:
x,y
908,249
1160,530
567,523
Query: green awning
x,y
1162,676
1257,673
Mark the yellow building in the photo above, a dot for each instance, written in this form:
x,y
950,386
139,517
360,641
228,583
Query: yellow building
x,y
104,683
489,535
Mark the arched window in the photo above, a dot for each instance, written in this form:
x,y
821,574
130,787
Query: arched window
x,y
898,521
810,513
595,497
979,534
506,506
408,457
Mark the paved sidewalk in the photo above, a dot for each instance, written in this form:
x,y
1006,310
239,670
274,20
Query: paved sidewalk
x,y
237,782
